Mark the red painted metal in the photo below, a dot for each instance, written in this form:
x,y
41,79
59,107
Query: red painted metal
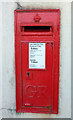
x,y
37,90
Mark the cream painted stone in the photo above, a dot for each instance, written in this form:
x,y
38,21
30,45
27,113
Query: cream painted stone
x,y
8,59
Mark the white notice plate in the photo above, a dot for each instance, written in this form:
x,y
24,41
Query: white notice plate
x,y
37,55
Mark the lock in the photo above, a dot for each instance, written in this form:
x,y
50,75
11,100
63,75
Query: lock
x,y
28,74
37,38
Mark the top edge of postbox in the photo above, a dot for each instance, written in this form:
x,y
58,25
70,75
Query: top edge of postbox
x,y
36,10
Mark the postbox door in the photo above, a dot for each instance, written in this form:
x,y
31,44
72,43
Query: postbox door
x,y
37,80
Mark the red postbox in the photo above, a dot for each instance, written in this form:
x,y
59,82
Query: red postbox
x,y
37,37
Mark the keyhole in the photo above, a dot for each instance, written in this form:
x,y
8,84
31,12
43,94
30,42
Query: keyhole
x,y
28,74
